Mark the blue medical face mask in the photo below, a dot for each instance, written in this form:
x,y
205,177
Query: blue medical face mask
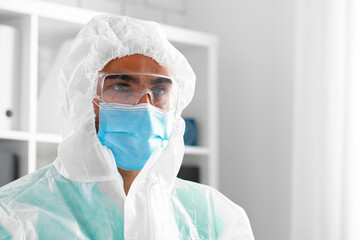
x,y
132,133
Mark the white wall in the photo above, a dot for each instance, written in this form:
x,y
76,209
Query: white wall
x,y
256,86
165,11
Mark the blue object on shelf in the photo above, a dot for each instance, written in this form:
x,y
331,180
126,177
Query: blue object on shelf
x,y
190,135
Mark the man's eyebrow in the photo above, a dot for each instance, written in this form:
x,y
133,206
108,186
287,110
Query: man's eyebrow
x,y
161,80
124,77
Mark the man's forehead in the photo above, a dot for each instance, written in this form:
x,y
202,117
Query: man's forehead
x,y
135,63
139,78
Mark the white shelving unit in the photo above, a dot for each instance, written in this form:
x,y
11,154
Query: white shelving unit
x,y
43,28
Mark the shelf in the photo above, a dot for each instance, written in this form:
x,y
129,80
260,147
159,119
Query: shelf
x,y
195,150
15,135
26,136
50,10
48,138
56,138
74,15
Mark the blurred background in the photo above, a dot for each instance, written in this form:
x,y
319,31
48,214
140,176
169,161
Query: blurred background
x,y
274,124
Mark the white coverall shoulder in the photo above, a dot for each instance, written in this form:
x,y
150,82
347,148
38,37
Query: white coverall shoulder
x,y
80,195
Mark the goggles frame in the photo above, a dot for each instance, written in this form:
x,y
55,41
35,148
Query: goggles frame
x,y
101,77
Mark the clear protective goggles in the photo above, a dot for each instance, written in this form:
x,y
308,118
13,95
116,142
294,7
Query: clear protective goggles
x,y
132,88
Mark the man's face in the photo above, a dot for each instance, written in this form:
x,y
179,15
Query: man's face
x,y
135,63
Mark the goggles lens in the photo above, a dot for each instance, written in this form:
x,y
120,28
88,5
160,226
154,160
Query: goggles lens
x,y
133,88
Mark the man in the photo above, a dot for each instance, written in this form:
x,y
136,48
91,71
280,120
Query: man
x,y
115,176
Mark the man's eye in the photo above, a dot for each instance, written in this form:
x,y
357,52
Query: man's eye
x,y
120,88
159,91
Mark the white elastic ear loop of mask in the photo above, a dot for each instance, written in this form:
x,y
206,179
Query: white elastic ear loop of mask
x,y
170,122
96,103
173,114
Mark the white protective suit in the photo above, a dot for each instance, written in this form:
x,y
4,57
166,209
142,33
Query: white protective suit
x,y
81,195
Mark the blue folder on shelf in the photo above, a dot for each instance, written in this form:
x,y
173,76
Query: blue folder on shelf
x,y
190,135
